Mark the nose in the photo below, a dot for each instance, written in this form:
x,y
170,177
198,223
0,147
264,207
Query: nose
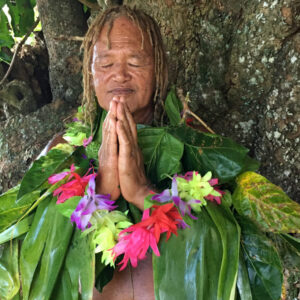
x,y
121,73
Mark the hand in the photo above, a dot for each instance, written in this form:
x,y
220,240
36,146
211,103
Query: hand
x,y
133,181
107,181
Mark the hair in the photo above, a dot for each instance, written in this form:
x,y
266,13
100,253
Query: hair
x,y
147,25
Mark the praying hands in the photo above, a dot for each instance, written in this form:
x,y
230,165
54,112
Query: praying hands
x,y
121,168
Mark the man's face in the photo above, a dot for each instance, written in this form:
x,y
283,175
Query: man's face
x,y
125,70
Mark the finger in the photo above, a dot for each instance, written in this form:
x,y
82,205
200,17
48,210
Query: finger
x,y
131,122
125,146
122,117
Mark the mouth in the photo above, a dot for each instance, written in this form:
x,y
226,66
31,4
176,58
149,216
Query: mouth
x,y
121,91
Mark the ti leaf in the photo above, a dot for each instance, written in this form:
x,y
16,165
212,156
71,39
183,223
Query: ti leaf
x,y
16,230
263,263
161,151
9,275
208,152
55,250
77,277
42,169
34,243
266,204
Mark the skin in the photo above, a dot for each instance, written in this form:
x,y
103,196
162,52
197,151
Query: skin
x,y
123,78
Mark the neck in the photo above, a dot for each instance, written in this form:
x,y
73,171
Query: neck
x,y
144,116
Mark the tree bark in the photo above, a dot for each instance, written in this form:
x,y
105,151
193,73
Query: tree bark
x,y
240,62
61,21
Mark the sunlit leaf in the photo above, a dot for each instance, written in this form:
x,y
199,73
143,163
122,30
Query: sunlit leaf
x,y
55,250
9,275
42,169
266,204
77,279
66,208
34,243
16,230
6,39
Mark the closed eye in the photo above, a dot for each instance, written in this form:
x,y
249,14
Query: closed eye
x,y
106,66
134,65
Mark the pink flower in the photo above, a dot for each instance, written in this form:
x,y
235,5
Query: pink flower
x,y
211,197
87,141
59,176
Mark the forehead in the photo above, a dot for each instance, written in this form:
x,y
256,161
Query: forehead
x,y
124,34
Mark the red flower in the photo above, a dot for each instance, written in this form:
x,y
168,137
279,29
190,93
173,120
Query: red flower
x,y
135,240
72,188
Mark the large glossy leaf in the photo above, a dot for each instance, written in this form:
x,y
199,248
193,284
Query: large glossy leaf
x,y
77,276
263,263
56,247
192,265
243,284
34,243
266,204
16,229
230,235
42,169
9,275
161,151
173,107
208,152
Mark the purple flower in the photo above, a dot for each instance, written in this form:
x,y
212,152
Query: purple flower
x,y
184,207
88,204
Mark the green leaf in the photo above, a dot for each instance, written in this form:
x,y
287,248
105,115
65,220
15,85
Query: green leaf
x,y
230,235
263,263
42,169
6,39
173,107
16,230
11,211
34,243
243,283
56,247
266,204
67,208
295,242
22,16
9,275
208,152
82,272
192,265
161,151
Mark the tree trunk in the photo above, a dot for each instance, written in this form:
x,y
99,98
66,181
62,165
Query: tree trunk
x,y
240,62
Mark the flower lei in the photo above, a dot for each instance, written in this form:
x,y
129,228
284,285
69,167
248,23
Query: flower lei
x,y
113,234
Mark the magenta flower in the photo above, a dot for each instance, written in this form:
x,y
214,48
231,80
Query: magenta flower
x,y
217,195
184,207
59,176
89,203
